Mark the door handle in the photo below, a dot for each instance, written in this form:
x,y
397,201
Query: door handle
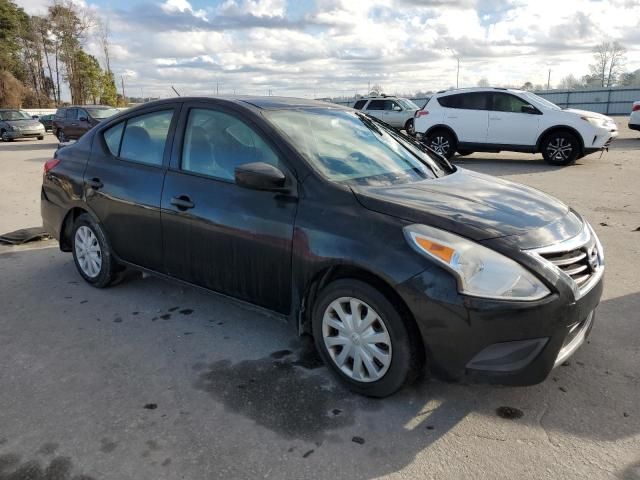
x,y
183,202
95,183
74,124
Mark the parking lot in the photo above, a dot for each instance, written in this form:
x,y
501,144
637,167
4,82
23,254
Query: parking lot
x,y
153,380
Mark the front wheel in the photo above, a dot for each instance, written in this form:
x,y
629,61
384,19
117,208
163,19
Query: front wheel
x,y
41,137
363,339
442,142
91,252
561,148
61,137
5,136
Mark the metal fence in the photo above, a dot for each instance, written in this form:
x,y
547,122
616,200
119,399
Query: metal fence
x,y
610,101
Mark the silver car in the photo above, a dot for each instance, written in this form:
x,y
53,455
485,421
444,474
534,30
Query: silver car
x,y
394,111
18,124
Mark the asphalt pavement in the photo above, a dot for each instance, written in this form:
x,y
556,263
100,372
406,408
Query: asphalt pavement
x,y
152,380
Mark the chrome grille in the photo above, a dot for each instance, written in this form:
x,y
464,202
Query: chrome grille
x,y
581,258
580,264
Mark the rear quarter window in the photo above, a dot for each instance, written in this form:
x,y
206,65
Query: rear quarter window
x,y
359,104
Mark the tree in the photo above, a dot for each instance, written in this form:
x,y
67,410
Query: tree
x,y
528,86
11,19
609,60
11,90
109,95
483,82
570,82
629,79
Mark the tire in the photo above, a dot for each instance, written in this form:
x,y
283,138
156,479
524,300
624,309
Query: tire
x,y
41,137
409,128
442,142
5,137
87,233
61,137
560,148
380,375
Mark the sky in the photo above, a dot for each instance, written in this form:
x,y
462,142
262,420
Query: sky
x,y
328,48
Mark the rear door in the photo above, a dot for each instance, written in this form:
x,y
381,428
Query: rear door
x,y
227,238
70,123
123,182
509,125
376,108
467,114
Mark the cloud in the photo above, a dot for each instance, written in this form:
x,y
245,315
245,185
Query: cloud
x,y
331,47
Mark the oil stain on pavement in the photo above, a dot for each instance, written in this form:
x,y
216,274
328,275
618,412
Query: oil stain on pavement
x,y
283,393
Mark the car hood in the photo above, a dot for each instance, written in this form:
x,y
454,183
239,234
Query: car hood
x,y
474,205
27,122
587,113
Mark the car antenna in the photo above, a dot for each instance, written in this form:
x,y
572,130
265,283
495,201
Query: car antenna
x,y
177,93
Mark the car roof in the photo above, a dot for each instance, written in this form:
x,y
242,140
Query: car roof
x,y
85,106
259,102
477,89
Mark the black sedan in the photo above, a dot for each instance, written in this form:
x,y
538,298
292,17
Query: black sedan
x,y
395,261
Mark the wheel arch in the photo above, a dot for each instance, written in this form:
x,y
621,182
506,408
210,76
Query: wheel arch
x,y
66,228
560,128
338,272
441,126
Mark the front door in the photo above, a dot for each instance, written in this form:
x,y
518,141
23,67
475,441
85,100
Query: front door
x,y
218,235
509,125
123,183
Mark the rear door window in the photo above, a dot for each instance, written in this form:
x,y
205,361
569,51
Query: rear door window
x,y
376,105
359,104
466,101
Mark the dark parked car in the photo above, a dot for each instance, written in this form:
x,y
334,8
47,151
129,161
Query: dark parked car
x,y
70,123
393,259
46,120
18,124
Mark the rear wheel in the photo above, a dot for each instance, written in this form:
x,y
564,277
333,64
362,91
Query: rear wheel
x,y
91,252
61,137
363,339
41,137
560,148
409,127
442,142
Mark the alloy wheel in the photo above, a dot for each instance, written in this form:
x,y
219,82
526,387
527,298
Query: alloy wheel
x,y
559,149
357,339
440,145
88,251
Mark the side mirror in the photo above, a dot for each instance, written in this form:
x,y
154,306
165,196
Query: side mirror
x,y
34,117
83,119
260,176
529,109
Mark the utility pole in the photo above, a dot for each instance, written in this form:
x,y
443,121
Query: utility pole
x,y
549,80
217,88
124,97
458,73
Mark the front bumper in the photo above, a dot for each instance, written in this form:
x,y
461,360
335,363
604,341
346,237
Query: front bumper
x,y
15,134
600,140
512,343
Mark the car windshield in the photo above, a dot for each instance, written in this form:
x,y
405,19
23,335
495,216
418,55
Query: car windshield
x,y
347,146
541,101
101,113
14,115
408,104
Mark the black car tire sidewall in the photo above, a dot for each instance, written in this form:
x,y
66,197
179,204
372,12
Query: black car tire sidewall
x,y
107,268
575,154
405,356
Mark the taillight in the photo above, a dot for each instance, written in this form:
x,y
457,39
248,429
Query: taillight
x,y
420,113
636,107
49,164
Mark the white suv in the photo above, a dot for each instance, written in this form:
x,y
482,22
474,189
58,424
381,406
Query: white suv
x,y
634,119
496,119
395,111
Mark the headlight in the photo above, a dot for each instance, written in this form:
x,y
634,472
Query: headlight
x,y
596,122
480,271
15,128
